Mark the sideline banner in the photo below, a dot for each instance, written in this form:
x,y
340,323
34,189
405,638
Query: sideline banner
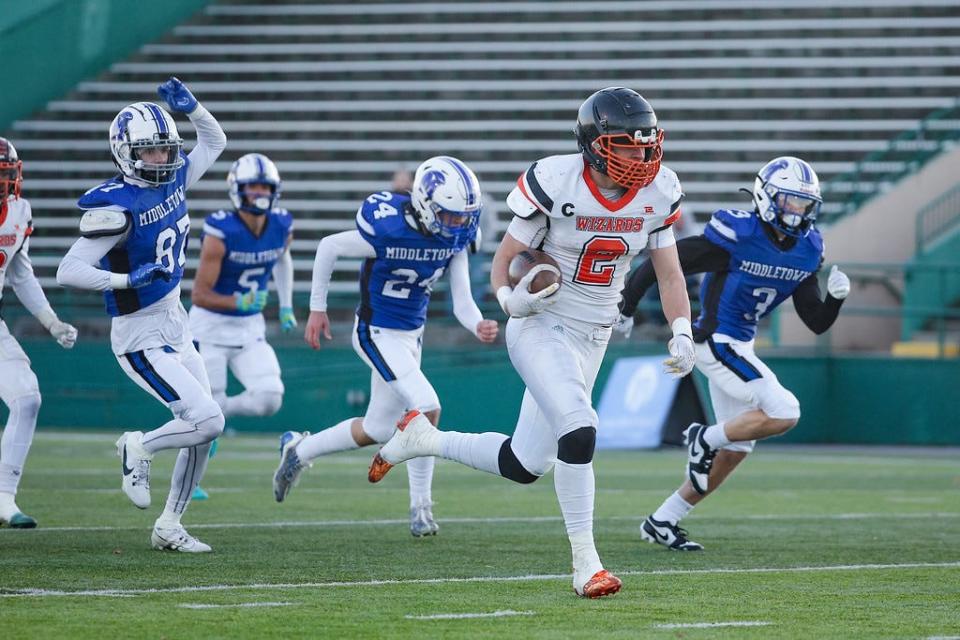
x,y
635,404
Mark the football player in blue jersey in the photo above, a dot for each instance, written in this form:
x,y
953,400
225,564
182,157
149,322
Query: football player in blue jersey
x,y
134,233
408,241
754,260
240,250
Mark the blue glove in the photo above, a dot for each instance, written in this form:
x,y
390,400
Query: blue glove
x,y
147,273
177,96
287,320
252,301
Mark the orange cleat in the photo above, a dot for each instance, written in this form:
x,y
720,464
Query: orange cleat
x,y
603,583
379,467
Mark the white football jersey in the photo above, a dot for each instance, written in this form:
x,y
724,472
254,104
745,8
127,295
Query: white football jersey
x,y
593,239
15,228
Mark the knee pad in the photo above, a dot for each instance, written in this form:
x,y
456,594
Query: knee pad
x,y
577,446
779,403
198,412
510,467
212,427
28,406
266,403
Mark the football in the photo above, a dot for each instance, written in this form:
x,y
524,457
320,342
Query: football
x,y
528,259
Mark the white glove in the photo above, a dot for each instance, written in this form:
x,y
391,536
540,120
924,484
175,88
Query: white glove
x,y
65,334
838,284
519,302
624,326
682,354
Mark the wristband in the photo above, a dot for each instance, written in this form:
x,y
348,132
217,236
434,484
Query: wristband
x,y
681,327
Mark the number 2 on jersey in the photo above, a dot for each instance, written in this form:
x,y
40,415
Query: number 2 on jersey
x,y
401,288
596,265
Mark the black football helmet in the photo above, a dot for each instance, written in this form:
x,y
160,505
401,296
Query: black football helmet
x,y
618,135
11,175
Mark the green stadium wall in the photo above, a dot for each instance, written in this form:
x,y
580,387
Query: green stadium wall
x,y
50,45
849,399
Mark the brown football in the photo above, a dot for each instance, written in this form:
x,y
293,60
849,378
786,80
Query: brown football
x,y
528,259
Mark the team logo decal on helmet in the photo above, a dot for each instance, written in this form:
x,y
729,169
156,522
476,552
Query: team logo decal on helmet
x,y
11,176
617,133
252,169
446,198
786,193
145,143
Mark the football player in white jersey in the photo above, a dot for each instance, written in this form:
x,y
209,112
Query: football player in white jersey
x,y
18,384
134,232
592,211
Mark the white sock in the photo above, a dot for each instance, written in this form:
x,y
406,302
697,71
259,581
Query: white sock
x,y
586,560
15,443
336,438
673,509
716,436
420,476
8,506
478,450
168,519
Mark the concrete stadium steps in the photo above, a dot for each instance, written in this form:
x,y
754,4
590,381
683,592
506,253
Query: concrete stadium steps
x,y
340,95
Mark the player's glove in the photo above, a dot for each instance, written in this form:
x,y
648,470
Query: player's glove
x,y
287,320
177,96
251,301
624,325
838,284
519,302
147,273
65,334
682,354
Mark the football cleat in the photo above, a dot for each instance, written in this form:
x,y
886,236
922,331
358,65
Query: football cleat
x,y
668,534
700,457
18,520
288,473
176,539
602,583
415,437
421,520
135,464
200,494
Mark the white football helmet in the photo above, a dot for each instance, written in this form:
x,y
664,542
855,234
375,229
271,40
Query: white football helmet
x,y
138,129
253,168
787,195
446,197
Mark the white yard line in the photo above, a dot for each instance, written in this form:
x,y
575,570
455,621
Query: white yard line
x,y
710,625
259,586
463,616
240,605
499,520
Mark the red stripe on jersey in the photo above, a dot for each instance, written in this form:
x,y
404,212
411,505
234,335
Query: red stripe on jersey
x,y
523,190
673,217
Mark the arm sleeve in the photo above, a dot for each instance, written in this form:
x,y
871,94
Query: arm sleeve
x,y
528,230
25,283
211,141
345,243
818,314
77,270
464,307
697,255
283,277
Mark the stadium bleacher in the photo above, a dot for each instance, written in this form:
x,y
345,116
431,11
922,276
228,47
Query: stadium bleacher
x,y
340,95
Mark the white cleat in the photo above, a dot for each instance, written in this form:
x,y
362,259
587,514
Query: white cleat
x,y
415,437
135,464
421,520
177,539
288,472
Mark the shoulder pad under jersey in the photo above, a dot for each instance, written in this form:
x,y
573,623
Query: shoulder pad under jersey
x,y
537,187
96,223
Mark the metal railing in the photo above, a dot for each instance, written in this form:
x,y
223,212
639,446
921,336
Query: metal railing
x,y
938,218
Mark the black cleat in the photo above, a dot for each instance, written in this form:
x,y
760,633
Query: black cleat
x,y
699,457
668,534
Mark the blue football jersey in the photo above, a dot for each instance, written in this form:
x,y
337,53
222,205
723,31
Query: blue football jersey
x,y
760,274
158,232
395,286
249,259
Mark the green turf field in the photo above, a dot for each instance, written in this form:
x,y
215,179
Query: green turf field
x,y
801,543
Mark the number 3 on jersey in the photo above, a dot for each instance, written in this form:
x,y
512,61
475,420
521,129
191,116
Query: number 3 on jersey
x,y
597,260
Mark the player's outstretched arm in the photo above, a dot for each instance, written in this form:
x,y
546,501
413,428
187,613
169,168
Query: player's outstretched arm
x,y
211,140
343,244
820,314
30,293
464,306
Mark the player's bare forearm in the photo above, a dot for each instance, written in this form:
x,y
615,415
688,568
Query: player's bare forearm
x,y
673,286
509,247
